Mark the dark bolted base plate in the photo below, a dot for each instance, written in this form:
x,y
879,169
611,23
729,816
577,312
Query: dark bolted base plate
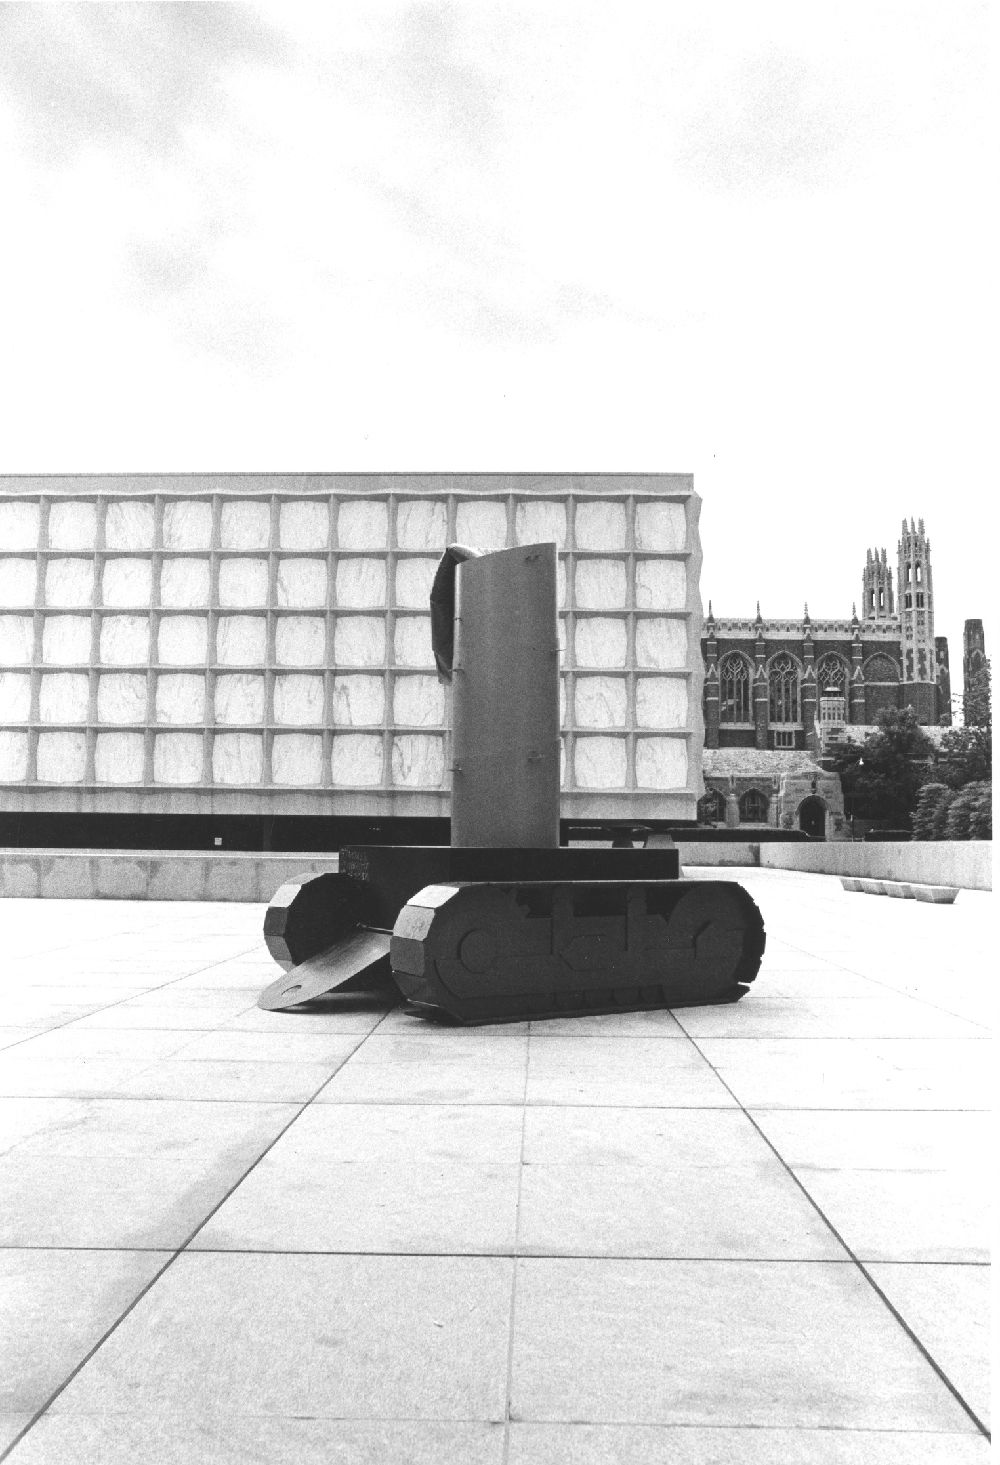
x,y
494,953
393,873
360,960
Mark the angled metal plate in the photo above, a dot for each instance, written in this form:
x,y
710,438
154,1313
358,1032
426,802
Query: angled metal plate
x,y
360,959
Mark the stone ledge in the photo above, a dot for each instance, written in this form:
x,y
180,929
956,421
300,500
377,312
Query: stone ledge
x,y
230,875
966,864
902,889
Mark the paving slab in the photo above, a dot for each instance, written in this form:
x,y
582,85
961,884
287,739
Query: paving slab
x,y
634,1072
878,1140
661,1024
95,1043
11,1425
9,1036
346,1017
649,1211
845,1073
948,1308
826,1017
590,1444
236,1439
79,1078
346,1337
437,1044
477,1068
714,1342
294,1203
54,1307
237,1046
48,1007
667,1138
413,1022
906,1215
228,1080
120,1173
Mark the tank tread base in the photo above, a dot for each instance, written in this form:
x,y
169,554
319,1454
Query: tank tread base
x,y
593,1003
494,953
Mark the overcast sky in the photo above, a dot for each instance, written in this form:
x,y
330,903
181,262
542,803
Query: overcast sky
x,y
748,241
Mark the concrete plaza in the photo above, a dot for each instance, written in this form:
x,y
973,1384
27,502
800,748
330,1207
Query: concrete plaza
x,y
755,1233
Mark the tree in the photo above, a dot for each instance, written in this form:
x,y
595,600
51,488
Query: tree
x,y
928,816
960,810
966,755
883,775
981,817
978,700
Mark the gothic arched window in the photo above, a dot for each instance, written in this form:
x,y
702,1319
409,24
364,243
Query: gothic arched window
x,y
831,671
881,669
783,686
712,808
753,807
734,688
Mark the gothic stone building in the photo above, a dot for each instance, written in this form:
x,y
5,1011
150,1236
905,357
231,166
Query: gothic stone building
x,y
779,693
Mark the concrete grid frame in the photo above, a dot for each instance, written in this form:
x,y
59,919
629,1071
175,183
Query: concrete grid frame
x,y
260,643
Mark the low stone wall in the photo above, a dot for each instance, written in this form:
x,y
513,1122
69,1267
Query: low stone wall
x,y
965,863
151,874
252,877
719,852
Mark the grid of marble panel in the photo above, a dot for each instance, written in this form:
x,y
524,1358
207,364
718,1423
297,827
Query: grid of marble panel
x,y
276,641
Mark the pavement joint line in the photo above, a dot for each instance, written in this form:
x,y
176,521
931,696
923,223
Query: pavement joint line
x,y
509,1384
171,1258
511,1256
806,1429
539,1256
639,1424
861,1266
107,1006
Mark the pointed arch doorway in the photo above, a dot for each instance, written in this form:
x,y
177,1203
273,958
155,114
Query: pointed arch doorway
x,y
812,817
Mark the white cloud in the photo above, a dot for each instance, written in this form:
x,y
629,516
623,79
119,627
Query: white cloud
x,y
746,241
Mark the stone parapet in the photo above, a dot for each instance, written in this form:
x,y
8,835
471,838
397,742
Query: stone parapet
x,y
965,863
152,874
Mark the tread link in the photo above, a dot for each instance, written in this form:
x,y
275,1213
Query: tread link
x,y
481,952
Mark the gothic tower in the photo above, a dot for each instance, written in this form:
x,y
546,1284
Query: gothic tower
x,y
975,673
876,588
915,600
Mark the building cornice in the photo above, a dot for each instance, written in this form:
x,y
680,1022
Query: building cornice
x,y
746,628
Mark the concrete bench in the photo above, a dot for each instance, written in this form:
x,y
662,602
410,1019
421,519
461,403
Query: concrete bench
x,y
901,889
